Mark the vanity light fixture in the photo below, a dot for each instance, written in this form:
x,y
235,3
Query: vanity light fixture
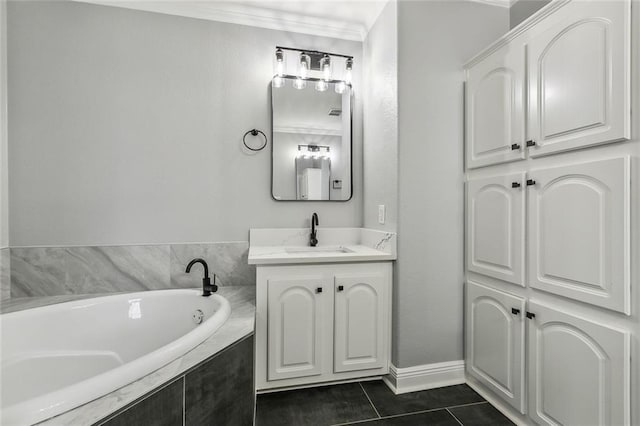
x,y
314,150
316,62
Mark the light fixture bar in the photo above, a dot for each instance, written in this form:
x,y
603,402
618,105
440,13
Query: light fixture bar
x,y
314,52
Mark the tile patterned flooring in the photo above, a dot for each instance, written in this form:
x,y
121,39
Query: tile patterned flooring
x,y
372,403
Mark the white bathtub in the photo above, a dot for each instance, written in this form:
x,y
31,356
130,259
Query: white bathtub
x,y
58,357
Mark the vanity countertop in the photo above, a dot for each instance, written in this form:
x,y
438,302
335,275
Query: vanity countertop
x,y
291,246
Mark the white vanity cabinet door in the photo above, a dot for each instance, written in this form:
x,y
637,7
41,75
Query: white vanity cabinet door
x,y
579,232
494,341
495,108
579,77
579,370
361,320
299,312
495,227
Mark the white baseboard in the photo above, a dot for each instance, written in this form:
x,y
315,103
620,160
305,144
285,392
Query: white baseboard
x,y
422,377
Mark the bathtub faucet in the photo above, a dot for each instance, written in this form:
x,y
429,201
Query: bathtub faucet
x,y
207,287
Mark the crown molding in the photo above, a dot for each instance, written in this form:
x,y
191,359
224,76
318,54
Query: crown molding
x,y
500,3
245,15
517,31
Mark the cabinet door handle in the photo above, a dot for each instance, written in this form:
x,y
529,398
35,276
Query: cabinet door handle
x,y
531,315
515,146
530,182
515,184
319,290
340,287
515,311
531,143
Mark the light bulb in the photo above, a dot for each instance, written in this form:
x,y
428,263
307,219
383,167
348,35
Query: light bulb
x,y
278,81
340,87
348,71
321,85
279,62
304,65
325,65
299,83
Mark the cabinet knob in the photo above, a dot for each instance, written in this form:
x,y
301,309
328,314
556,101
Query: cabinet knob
x,y
319,290
340,287
515,184
515,146
531,315
515,311
531,143
530,182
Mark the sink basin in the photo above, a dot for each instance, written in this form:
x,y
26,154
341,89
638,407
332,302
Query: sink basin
x,y
318,250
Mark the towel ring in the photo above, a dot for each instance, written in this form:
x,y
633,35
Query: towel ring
x,y
254,132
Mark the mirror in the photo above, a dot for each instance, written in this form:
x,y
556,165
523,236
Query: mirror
x,y
311,150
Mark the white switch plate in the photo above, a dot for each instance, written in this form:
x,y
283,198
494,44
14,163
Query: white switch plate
x,y
381,214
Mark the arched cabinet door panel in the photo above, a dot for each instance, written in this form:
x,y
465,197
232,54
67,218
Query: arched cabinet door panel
x,y
297,318
494,108
579,77
579,232
361,318
494,342
578,370
495,227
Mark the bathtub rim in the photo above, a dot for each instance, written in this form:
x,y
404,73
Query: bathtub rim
x,y
128,373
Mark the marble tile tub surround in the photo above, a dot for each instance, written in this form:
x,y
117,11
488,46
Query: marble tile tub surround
x,y
5,274
52,271
269,246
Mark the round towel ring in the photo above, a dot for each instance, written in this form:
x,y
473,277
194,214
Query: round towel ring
x,y
254,132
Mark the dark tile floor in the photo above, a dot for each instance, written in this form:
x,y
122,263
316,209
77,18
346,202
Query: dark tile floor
x,y
373,403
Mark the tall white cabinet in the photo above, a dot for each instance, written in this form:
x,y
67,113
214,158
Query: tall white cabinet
x,y
549,315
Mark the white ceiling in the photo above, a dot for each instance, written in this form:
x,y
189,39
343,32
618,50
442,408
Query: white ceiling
x,y
345,19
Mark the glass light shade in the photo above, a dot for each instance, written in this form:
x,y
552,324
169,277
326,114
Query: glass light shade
x,y
348,71
299,83
280,63
321,85
340,87
278,81
304,65
325,66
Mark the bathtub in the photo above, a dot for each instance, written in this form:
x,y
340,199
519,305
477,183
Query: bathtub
x,y
58,357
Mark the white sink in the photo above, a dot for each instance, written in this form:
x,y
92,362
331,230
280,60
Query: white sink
x,y
319,250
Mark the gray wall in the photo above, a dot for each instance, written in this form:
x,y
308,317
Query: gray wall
x,y
126,128
522,9
380,152
435,38
4,173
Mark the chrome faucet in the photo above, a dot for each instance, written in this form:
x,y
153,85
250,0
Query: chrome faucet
x,y
207,287
313,238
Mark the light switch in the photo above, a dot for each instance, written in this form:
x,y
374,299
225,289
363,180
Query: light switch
x,y
381,214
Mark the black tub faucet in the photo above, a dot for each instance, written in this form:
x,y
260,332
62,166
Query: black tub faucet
x,y
313,238
207,287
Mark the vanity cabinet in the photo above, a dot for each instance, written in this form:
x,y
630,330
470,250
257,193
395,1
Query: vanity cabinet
x,y
322,322
578,369
573,92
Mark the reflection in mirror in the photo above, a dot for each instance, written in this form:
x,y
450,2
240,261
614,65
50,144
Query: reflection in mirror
x,y
311,140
